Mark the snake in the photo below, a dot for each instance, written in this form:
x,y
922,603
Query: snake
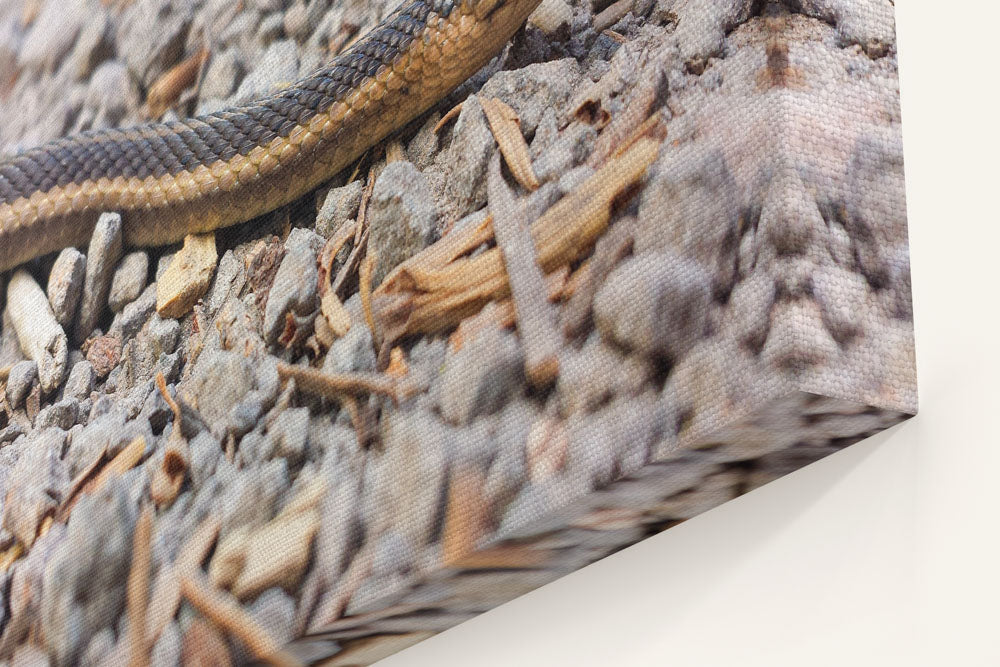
x,y
169,180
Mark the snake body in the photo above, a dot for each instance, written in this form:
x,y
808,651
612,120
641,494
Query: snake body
x,y
172,179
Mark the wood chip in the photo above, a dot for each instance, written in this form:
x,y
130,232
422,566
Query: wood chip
x,y
167,89
223,610
8,557
535,317
337,385
506,127
188,276
166,596
204,646
365,289
398,367
436,288
137,589
394,152
335,314
448,117
612,14
466,516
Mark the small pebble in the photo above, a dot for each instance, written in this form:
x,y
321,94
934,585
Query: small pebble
x,y
129,280
102,256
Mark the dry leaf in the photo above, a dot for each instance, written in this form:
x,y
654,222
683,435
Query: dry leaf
x,y
506,127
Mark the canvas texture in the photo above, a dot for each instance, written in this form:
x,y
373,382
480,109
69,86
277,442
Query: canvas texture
x,y
276,387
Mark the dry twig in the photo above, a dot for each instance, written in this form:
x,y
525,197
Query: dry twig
x,y
506,127
137,589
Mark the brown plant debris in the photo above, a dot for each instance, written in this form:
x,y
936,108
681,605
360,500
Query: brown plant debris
x,y
167,89
225,612
448,117
535,317
612,14
188,276
506,127
166,596
169,477
96,474
137,589
438,287
466,516
338,385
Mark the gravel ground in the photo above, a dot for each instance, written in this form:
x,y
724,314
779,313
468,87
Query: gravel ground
x,y
206,442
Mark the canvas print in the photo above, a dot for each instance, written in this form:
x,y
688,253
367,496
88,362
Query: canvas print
x,y
330,324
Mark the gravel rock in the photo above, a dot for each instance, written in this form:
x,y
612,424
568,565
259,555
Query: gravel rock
x,y
278,67
151,35
354,351
274,609
129,280
65,285
656,303
40,336
401,216
205,453
61,415
295,284
289,433
102,256
187,277
167,649
222,75
50,38
472,146
94,44
22,375
111,94
340,205
219,381
84,583
572,146
531,90
38,484
480,377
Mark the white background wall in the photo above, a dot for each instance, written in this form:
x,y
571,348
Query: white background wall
x,y
885,554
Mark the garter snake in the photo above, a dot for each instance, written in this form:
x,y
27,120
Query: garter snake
x,y
171,179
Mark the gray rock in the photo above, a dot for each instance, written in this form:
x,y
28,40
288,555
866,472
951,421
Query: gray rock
x,y
571,148
401,216
167,649
275,611
84,582
102,255
135,314
289,434
230,277
105,432
205,453
531,90
164,334
38,484
574,178
424,144
10,433
22,375
354,351
472,146
219,381
340,205
129,280
277,68
295,284
271,27
61,415
152,34
656,303
65,285
111,93
99,646
479,378
94,44
841,296
249,496
222,75
50,38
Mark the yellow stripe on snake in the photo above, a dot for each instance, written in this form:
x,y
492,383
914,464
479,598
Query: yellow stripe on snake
x,y
173,179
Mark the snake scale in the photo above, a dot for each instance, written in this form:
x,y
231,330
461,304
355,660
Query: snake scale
x,y
172,179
